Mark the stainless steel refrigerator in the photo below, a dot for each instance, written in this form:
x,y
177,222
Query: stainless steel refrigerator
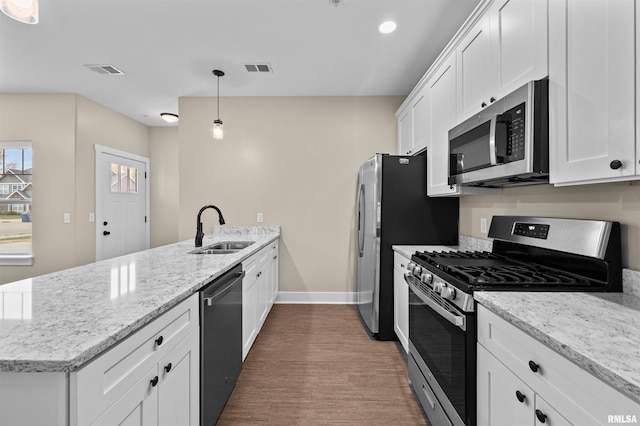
x,y
393,209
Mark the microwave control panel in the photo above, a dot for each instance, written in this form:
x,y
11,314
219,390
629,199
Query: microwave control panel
x,y
510,134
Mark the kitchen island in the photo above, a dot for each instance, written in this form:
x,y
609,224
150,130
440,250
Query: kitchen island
x,y
54,324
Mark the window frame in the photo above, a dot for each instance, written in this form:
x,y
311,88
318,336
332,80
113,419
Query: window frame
x,y
21,259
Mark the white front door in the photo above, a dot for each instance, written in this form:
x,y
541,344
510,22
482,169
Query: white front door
x,y
121,203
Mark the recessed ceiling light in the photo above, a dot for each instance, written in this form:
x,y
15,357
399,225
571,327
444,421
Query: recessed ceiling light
x,y
387,27
169,118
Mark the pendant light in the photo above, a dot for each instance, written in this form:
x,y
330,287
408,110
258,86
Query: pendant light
x,y
218,132
25,11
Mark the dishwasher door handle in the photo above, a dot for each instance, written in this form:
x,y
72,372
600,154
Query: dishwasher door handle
x,y
208,301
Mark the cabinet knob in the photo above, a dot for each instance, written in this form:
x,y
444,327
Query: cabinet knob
x,y
615,164
492,100
521,397
533,366
106,233
484,104
159,340
168,367
542,417
154,381
105,223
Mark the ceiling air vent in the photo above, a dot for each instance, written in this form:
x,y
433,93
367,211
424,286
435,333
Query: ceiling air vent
x,y
105,69
261,67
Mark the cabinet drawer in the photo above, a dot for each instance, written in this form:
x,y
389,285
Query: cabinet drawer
x,y
574,392
97,385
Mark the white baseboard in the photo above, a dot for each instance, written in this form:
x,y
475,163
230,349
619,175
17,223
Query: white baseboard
x,y
317,297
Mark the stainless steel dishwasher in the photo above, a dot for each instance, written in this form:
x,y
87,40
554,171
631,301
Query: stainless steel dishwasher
x,y
220,342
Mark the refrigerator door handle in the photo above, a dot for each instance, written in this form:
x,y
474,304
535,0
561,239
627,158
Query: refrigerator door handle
x,y
361,216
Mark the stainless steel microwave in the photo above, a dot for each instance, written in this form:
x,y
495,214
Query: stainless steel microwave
x,y
506,144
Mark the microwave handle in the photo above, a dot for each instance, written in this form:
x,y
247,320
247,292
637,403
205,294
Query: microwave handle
x,y
497,140
492,140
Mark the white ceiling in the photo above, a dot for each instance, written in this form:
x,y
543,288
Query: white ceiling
x,y
168,48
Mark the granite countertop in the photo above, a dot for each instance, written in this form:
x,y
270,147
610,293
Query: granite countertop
x,y
407,251
599,332
59,321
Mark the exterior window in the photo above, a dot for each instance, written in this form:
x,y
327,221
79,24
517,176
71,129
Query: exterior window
x,y
16,171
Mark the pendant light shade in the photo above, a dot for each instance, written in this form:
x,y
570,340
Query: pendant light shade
x,y
25,11
218,132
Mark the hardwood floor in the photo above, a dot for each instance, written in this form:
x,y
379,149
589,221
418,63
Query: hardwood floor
x,y
314,364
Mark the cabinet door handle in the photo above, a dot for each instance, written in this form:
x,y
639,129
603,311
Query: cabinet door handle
x,y
154,381
106,233
275,257
534,367
159,341
615,164
484,104
492,100
168,367
521,397
542,417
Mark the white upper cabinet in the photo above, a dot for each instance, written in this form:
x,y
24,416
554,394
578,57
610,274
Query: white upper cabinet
x,y
440,96
420,111
592,84
476,74
503,50
519,42
412,126
405,132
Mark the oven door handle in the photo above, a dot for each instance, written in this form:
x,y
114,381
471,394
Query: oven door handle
x,y
457,320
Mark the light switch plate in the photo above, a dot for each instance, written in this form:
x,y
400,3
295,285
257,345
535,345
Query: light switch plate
x,y
483,225
260,218
92,217
67,218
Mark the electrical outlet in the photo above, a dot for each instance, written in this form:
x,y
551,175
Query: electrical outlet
x,y
483,225
67,218
260,218
92,217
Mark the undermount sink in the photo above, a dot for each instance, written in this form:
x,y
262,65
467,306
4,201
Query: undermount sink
x,y
223,248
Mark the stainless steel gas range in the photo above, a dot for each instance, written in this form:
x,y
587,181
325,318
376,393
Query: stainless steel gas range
x,y
528,254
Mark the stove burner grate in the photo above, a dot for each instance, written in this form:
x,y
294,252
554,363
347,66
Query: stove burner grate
x,y
516,274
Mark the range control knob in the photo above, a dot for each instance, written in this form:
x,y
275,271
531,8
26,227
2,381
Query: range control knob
x,y
438,286
410,266
448,293
417,270
427,278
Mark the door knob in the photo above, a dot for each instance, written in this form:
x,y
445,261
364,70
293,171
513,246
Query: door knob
x,y
106,233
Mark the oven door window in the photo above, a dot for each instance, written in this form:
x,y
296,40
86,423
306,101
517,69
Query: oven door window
x,y
446,349
471,150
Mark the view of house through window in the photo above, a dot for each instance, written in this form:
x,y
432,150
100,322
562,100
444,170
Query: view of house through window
x,y
16,170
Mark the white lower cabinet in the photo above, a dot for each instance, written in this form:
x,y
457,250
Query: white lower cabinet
x,y
401,300
504,399
150,378
172,400
523,382
259,292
